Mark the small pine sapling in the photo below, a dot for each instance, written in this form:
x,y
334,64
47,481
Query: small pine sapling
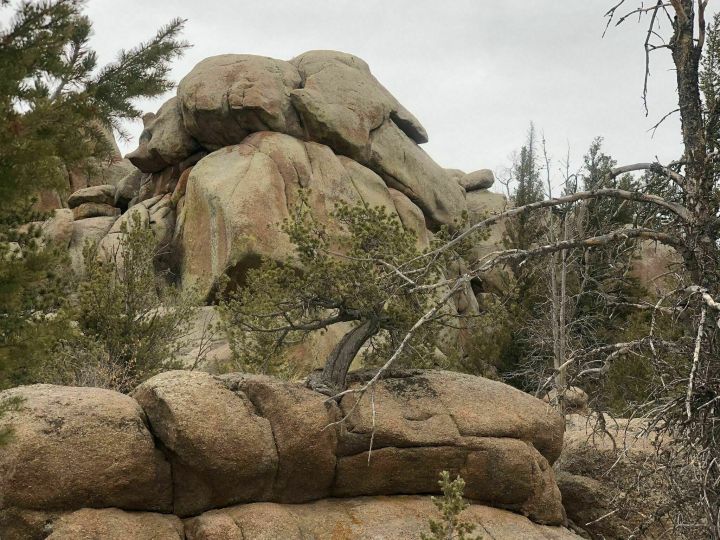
x,y
450,505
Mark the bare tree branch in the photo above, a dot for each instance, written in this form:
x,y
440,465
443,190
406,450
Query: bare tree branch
x,y
594,241
675,208
653,167
696,360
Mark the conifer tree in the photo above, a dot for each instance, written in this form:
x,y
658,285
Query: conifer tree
x,y
528,189
56,107
523,292
450,505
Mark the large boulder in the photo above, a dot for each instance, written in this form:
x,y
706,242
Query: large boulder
x,y
482,179
222,451
164,140
365,518
80,447
446,408
434,421
327,97
405,166
344,106
501,472
237,198
225,98
299,418
343,102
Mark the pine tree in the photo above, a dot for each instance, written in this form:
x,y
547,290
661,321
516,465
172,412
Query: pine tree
x,y
528,189
524,291
450,505
356,274
129,324
56,108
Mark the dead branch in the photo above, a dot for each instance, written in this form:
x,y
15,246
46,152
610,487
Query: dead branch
x,y
696,360
594,241
653,167
677,209
666,116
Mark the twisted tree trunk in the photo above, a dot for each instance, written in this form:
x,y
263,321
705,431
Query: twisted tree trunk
x,y
332,379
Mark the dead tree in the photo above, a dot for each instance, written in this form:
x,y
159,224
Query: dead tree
x,y
688,406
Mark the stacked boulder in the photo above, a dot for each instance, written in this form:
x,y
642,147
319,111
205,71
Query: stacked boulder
x,y
95,215
191,455
244,134
220,166
95,201
479,199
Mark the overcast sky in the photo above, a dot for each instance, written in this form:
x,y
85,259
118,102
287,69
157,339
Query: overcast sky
x,y
475,72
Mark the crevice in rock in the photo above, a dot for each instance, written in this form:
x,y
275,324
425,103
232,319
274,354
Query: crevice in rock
x,y
491,535
257,409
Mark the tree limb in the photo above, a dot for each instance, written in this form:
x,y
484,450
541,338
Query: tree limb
x,y
696,361
653,167
594,241
675,208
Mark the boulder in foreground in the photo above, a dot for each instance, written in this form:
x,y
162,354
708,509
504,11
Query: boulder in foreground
x,y
365,518
81,447
187,442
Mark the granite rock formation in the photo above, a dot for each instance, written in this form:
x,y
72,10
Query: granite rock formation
x,y
202,455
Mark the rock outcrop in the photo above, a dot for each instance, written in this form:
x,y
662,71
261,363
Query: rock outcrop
x,y
221,452
242,136
81,447
326,97
236,197
220,166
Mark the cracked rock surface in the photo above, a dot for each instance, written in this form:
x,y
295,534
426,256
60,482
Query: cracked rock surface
x,y
209,449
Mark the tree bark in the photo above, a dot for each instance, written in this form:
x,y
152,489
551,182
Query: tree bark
x,y
332,379
701,258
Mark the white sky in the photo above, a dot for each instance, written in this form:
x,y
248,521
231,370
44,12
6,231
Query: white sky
x,y
475,72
